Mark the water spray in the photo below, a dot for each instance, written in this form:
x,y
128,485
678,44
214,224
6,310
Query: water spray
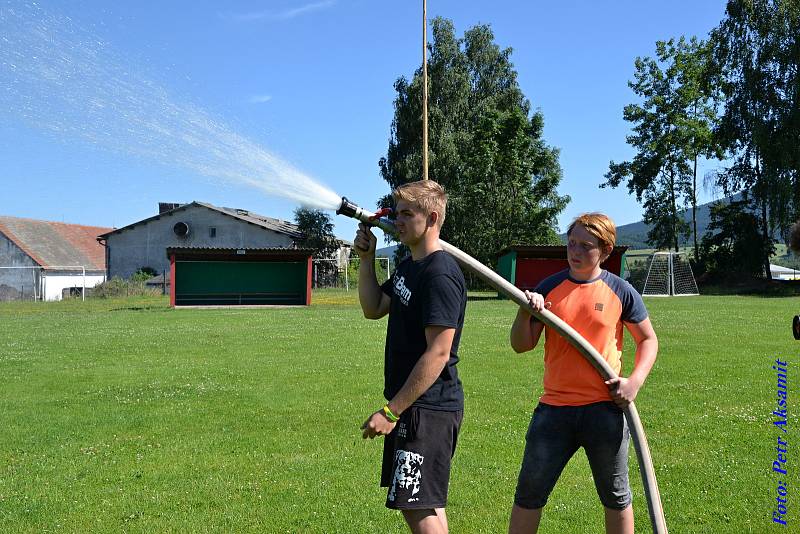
x,y
597,361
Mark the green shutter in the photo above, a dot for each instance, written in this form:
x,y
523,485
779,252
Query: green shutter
x,y
507,267
248,282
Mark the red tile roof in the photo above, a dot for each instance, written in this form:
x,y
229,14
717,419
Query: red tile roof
x,y
54,244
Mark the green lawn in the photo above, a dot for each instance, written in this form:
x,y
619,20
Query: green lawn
x,y
126,415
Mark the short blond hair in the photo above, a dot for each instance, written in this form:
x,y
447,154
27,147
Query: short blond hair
x,y
599,225
426,195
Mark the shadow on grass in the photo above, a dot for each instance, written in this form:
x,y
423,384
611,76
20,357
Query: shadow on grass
x,y
482,295
142,308
752,287
141,304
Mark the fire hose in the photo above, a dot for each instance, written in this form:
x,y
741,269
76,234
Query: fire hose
x,y
551,320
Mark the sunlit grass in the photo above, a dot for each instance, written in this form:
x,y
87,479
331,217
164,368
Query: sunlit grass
x,y
127,415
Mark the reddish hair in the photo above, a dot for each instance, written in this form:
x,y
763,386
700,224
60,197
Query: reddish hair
x,y
599,225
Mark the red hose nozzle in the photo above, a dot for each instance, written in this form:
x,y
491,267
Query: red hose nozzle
x,y
381,213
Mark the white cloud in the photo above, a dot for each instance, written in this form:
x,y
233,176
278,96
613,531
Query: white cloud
x,y
286,14
259,99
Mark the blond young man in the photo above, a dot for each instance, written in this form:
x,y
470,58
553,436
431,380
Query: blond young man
x,y
578,409
425,300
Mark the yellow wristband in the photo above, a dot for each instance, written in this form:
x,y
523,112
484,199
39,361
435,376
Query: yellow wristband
x,y
389,414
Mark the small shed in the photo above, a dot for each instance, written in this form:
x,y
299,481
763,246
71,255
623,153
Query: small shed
x,y
526,266
243,276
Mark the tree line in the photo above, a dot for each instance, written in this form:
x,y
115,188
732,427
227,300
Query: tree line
x,y
733,98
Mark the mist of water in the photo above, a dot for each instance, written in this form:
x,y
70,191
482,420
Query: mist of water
x,y
59,77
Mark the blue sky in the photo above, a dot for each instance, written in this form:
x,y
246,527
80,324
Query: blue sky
x,y
309,81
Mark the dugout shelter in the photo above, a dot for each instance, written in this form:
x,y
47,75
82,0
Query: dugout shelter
x,y
526,266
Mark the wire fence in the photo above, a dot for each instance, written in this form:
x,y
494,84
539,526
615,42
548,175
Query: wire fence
x,y
344,275
34,282
636,270
31,282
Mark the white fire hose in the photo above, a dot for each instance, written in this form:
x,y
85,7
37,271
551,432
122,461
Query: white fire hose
x,y
505,287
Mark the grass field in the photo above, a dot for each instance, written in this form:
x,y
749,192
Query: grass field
x,y
126,415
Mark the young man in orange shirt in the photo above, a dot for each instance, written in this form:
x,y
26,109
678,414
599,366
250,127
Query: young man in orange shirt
x,y
578,409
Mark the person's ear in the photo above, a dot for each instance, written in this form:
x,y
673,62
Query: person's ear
x,y
433,218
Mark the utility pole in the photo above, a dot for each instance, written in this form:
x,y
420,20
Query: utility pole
x,y
424,89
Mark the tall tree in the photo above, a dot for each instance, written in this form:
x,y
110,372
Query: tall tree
x,y
318,229
486,145
699,97
672,130
757,55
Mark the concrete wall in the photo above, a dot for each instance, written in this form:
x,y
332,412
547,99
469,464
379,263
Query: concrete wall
x,y
17,283
145,245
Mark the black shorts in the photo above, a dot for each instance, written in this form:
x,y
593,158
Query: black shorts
x,y
416,458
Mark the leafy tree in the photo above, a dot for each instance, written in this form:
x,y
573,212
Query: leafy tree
x,y
794,238
732,244
659,215
318,229
699,96
485,146
757,53
672,130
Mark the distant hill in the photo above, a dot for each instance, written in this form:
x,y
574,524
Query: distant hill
x,y
386,252
634,235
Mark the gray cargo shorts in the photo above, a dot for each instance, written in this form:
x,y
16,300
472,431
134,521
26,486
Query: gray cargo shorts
x,y
556,433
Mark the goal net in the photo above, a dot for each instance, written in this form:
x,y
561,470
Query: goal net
x,y
669,274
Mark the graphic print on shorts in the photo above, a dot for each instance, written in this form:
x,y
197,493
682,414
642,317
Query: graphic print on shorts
x,y
407,473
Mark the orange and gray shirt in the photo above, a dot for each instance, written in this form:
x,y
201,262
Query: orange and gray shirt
x,y
596,309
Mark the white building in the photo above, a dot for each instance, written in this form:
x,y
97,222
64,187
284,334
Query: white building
x,y
39,260
783,273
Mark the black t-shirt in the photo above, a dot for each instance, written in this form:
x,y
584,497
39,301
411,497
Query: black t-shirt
x,y
427,292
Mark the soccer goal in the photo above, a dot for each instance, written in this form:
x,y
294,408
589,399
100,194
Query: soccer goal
x,y
669,274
